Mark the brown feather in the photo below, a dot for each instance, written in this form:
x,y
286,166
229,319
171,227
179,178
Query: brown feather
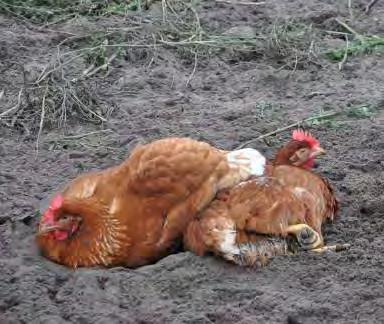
x,y
288,195
132,213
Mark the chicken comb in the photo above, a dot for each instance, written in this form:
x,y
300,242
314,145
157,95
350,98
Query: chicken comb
x,y
301,135
48,216
57,202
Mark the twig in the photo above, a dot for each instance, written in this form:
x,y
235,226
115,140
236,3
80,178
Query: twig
x,y
89,72
193,71
110,31
369,6
341,64
164,10
219,42
282,129
15,107
73,38
296,62
44,74
52,30
198,26
86,71
61,19
80,103
42,116
63,116
350,29
350,9
86,49
336,32
71,137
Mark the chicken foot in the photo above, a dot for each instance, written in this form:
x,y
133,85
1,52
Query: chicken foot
x,y
306,236
310,240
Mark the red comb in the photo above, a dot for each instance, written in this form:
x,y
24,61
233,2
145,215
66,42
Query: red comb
x,y
300,135
57,202
48,216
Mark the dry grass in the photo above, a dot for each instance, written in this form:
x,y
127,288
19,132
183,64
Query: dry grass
x,y
65,88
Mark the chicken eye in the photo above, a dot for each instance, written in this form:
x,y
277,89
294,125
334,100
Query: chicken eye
x,y
64,217
302,152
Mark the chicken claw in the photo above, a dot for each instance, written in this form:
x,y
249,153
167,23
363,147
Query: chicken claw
x,y
306,236
332,248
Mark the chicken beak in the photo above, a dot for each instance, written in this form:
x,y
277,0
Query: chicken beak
x,y
47,228
317,151
66,225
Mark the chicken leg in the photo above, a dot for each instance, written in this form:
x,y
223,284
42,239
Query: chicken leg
x,y
310,240
220,236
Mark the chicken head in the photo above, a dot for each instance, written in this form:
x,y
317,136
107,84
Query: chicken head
x,y
301,151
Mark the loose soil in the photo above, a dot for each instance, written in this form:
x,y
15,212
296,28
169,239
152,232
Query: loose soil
x,y
231,98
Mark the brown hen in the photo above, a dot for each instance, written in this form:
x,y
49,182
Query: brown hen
x,y
289,199
133,213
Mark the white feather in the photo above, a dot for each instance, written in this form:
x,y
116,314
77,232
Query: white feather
x,y
250,160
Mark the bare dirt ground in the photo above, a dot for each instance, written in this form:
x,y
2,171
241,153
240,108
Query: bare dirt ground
x,y
222,94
